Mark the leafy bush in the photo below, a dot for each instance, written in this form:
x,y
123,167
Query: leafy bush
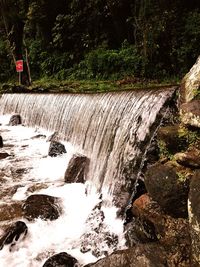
x,y
103,63
7,69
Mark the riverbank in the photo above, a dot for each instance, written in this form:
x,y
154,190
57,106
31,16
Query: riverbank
x,y
51,85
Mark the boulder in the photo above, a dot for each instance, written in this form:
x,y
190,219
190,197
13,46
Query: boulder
x,y
142,255
15,120
190,158
56,149
13,233
77,169
171,139
61,260
171,233
164,186
194,217
41,206
190,113
191,83
4,155
1,141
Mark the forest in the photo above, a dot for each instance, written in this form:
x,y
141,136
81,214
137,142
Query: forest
x,y
99,39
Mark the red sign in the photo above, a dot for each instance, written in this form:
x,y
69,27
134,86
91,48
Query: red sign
x,y
19,65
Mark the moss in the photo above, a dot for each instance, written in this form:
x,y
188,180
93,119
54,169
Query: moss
x,y
191,135
163,150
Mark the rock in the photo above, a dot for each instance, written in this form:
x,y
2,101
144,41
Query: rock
x,y
142,255
172,233
41,206
61,260
194,217
11,211
4,155
140,230
164,186
191,83
190,158
190,113
77,169
1,141
171,139
39,136
15,120
13,233
56,149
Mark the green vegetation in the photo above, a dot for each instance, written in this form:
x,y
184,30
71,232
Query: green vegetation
x,y
99,40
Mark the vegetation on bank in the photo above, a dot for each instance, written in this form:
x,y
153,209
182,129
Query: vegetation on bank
x,y
51,85
101,40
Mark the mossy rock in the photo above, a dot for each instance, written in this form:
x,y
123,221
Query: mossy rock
x,y
165,187
171,139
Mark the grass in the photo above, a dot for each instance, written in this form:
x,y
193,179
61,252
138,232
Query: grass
x,y
47,84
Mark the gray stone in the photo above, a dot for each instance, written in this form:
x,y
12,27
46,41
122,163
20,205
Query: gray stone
x,y
190,113
191,83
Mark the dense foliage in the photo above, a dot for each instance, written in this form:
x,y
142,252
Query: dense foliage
x,y
99,39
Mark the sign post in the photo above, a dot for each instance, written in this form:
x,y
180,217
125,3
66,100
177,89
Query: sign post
x,y
19,69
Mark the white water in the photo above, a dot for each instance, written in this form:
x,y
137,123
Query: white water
x,y
107,128
46,238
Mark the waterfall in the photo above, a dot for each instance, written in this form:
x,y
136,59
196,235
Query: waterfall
x,y
108,128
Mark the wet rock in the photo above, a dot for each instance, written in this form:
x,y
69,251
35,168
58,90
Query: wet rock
x,y
11,211
172,233
15,120
190,113
97,238
77,169
61,260
37,187
190,158
4,155
19,172
171,140
165,187
41,206
39,136
140,230
143,255
56,149
1,141
194,217
13,234
191,83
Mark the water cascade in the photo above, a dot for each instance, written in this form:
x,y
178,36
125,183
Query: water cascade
x,y
107,128
113,130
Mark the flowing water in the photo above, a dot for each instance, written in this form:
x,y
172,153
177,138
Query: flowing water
x,y
109,129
